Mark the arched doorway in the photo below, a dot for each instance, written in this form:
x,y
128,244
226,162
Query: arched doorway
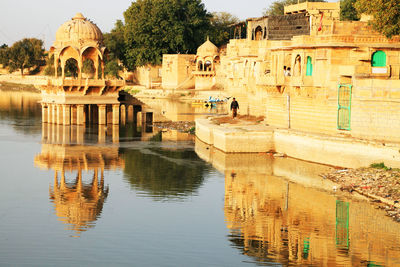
x,y
258,33
71,68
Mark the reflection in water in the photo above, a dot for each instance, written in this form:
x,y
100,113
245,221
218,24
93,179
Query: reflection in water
x,y
21,109
78,204
164,174
297,221
78,201
170,110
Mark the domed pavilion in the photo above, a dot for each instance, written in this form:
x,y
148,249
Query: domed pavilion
x,y
207,59
79,39
79,93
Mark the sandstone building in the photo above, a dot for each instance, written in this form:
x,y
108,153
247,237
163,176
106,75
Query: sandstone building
x,y
311,72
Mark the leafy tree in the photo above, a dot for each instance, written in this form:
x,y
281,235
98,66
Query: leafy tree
x,y
88,67
4,54
220,27
71,68
27,53
348,11
157,27
112,68
277,7
386,15
115,42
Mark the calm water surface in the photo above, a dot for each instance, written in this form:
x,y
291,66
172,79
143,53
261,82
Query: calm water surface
x,y
133,196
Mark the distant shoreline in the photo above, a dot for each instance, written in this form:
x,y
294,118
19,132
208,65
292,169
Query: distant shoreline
x,y
10,86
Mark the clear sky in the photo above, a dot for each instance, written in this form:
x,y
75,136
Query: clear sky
x,y
41,18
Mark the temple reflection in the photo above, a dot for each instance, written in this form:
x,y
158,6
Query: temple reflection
x,y
279,210
79,192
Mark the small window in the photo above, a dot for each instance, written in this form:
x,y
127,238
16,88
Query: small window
x,y
378,59
309,67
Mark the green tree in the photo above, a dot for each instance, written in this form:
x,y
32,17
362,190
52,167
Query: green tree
x,y
4,54
115,42
88,67
220,27
386,15
348,11
277,7
71,68
157,27
27,53
112,68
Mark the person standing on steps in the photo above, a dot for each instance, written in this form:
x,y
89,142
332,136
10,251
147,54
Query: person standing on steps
x,y
234,107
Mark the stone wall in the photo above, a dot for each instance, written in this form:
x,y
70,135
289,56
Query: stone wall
x,y
177,71
285,27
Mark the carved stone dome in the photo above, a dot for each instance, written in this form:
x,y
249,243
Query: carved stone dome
x,y
207,49
78,31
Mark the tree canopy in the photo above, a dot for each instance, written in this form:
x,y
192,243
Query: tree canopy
x,y
26,53
157,27
277,7
348,11
386,15
220,27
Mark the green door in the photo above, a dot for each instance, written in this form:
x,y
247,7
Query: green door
x,y
378,59
344,107
309,69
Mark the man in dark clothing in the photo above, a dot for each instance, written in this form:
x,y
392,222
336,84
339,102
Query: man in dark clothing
x,y
234,107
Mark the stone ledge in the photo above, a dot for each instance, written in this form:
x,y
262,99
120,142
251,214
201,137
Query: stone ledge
x,y
235,139
331,150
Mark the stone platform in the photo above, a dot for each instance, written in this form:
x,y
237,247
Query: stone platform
x,y
325,149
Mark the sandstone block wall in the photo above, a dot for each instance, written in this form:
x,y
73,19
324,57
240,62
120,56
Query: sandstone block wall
x,y
285,27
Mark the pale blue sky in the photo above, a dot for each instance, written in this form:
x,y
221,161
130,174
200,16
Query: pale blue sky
x,y
41,18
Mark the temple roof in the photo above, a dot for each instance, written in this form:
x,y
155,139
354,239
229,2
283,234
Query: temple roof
x,y
207,49
77,32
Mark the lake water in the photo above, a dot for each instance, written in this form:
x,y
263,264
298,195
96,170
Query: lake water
x,y
131,196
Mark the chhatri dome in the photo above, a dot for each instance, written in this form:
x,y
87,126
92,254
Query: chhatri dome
x,y
77,31
207,49
79,39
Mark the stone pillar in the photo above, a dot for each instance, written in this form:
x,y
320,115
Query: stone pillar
x,y
67,114
123,114
59,114
102,115
115,114
44,113
80,117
